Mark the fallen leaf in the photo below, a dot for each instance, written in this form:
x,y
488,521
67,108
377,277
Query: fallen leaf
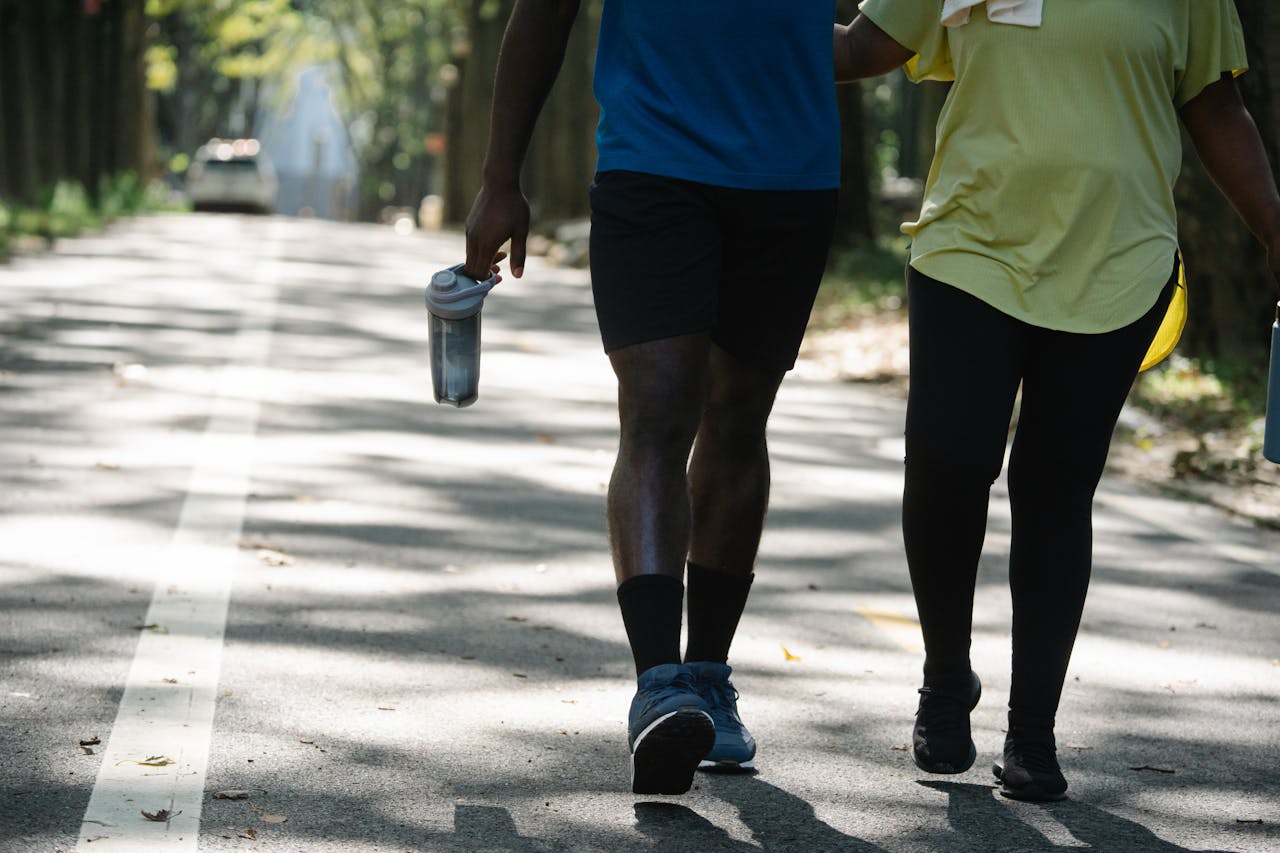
x,y
903,748
385,708
169,680
91,741
546,438
517,619
1154,769
273,818
788,656
156,761
162,816
250,833
274,558
519,675
234,794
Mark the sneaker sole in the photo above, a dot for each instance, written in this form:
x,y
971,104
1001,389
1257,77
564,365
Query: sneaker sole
x,y
1032,793
748,766
667,753
944,768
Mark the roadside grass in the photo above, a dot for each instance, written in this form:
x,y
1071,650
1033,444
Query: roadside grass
x,y
65,209
1217,406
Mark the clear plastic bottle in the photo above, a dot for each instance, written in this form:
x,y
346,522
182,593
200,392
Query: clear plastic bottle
x,y
1271,434
454,300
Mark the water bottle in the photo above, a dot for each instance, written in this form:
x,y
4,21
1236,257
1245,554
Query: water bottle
x,y
1271,434
454,300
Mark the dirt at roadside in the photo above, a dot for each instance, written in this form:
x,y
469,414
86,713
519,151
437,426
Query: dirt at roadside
x,y
1213,468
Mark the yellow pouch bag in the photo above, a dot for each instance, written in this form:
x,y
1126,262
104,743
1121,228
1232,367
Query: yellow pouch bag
x,y
1175,318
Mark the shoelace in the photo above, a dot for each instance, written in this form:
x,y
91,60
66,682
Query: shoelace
x,y
678,685
720,694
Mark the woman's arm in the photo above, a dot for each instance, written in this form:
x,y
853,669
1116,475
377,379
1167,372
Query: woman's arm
x,y
864,50
1228,143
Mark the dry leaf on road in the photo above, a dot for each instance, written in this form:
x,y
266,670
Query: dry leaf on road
x,y
234,794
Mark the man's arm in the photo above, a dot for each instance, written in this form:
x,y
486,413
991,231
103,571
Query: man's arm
x,y
530,58
1228,143
864,50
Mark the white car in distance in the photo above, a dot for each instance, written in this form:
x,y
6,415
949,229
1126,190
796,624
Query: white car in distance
x,y
232,175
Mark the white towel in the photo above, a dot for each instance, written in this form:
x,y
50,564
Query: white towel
x,y
1024,13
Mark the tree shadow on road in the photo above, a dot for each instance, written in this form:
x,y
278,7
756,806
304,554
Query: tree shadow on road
x,y
980,820
778,819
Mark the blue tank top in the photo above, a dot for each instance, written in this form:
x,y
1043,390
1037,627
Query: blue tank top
x,y
734,94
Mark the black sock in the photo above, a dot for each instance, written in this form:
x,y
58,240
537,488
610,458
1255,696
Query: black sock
x,y
716,602
651,611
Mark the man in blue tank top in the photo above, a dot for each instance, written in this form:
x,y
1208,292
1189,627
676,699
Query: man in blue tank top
x,y
711,214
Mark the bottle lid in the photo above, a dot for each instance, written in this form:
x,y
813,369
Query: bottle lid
x,y
454,295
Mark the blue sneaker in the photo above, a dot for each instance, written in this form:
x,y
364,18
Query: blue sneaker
x,y
735,748
669,730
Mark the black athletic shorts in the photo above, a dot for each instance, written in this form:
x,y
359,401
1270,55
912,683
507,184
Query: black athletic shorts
x,y
672,257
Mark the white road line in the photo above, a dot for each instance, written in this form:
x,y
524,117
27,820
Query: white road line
x,y
157,756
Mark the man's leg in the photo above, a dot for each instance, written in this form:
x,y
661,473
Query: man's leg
x,y
655,264
660,390
729,487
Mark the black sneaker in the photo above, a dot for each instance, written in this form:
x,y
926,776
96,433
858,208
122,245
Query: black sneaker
x,y
941,741
1031,770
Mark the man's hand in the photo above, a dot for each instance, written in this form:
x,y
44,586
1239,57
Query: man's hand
x,y
497,215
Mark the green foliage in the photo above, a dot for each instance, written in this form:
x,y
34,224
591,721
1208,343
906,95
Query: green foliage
x,y
65,208
1202,395
6,221
862,280
211,61
394,63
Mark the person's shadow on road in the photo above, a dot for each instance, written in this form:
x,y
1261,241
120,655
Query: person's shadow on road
x,y
982,822
777,819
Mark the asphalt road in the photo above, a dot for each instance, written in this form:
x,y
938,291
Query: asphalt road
x,y
242,550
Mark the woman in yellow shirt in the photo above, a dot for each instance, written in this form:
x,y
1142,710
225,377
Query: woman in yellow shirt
x,y
1044,258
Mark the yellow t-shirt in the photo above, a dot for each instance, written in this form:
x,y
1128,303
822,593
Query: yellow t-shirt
x,y
1051,191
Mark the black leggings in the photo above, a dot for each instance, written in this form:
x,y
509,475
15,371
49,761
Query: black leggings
x,y
967,362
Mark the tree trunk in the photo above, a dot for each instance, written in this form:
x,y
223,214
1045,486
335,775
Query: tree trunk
x,y
469,133
1230,289
563,157
854,223
19,95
